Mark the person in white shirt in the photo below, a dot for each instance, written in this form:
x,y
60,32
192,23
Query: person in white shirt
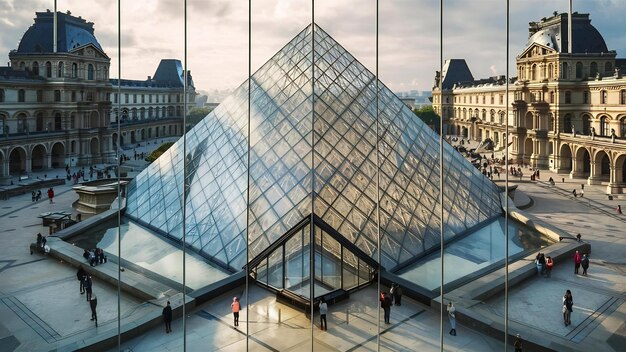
x,y
323,312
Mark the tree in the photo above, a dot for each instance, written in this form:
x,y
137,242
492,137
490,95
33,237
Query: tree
x,y
196,115
428,116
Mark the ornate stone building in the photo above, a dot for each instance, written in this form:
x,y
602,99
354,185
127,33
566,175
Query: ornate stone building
x,y
56,101
568,109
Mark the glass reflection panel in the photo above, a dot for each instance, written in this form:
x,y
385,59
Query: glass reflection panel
x,y
275,269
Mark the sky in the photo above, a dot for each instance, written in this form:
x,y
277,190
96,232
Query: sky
x,y
217,33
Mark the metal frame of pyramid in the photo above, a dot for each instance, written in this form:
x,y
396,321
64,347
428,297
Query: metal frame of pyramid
x,y
287,113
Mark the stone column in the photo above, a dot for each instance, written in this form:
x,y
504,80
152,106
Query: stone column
x,y
594,175
47,161
616,181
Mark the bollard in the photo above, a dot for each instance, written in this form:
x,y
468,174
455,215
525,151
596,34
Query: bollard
x,y
347,317
278,315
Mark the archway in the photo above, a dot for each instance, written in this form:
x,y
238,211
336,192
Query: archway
x,y
620,163
17,161
58,155
38,158
94,147
586,125
143,134
528,150
565,154
602,166
132,137
583,162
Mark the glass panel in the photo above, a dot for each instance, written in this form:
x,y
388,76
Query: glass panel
x,y
350,271
331,262
275,269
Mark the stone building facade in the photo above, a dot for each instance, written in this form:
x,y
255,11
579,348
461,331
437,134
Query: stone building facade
x,y
57,102
567,109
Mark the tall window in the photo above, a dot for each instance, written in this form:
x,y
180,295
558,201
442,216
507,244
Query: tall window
x,y
622,96
90,72
550,73
533,72
608,68
61,70
36,67
39,95
585,97
551,97
115,98
48,69
603,97
1,95
604,126
21,95
622,127
564,68
593,69
74,70
126,98
568,97
567,123
57,95
579,70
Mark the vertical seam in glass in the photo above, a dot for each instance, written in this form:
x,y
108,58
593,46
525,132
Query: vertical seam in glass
x,y
377,189
185,76
442,303
506,189
117,160
248,172
312,224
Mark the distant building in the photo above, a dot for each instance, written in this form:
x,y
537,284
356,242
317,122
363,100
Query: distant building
x,y
56,104
567,112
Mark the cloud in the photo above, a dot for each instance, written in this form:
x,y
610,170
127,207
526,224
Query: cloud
x,y
408,33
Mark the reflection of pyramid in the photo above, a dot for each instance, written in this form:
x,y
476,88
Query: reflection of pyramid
x,y
343,122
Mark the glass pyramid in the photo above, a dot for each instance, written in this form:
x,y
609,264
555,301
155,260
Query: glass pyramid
x,y
311,148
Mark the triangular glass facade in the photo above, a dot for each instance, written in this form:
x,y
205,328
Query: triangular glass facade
x,y
337,176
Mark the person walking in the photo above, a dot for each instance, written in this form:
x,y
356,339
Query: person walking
x,y
167,317
619,209
385,303
93,303
568,304
80,275
549,265
585,264
577,259
452,317
235,307
87,283
323,312
518,343
538,263
397,295
51,195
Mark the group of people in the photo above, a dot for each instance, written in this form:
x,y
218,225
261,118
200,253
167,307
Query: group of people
x,y
85,285
36,196
40,244
581,261
544,264
95,256
387,300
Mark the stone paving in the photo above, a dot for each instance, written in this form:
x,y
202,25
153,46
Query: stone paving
x,y
42,308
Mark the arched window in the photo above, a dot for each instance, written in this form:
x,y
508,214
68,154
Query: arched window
x,y
603,97
492,116
622,96
608,68
501,117
593,69
568,97
74,70
61,70
36,67
586,97
622,127
1,95
533,72
550,73
90,72
48,69
484,115
21,95
551,97
604,126
57,95
567,123
564,69
579,70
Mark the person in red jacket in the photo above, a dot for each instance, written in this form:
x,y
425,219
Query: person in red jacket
x,y
549,265
577,260
51,195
